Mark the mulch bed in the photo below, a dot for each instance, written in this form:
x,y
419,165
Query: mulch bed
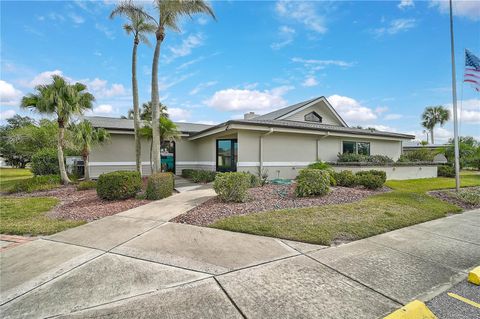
x,y
448,196
83,205
269,197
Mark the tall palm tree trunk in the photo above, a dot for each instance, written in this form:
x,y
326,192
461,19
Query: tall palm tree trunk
x,y
61,163
136,112
86,167
156,104
431,135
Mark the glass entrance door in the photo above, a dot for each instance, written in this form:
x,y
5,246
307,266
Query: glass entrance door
x,y
227,153
167,153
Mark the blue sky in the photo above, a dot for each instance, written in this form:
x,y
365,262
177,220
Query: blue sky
x,y
379,63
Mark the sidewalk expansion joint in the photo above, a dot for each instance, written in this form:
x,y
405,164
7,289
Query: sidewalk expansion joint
x,y
230,298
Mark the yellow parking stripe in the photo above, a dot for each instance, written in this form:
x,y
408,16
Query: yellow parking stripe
x,y
465,300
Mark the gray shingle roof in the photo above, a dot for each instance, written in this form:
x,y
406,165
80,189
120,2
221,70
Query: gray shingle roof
x,y
125,124
280,112
316,126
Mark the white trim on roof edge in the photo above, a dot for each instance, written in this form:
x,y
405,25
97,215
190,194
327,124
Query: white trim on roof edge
x,y
323,99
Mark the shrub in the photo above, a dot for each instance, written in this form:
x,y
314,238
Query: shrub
x,y
254,180
232,187
345,179
119,185
45,162
471,197
203,176
36,183
159,185
86,185
187,173
420,155
379,159
351,157
381,174
446,171
369,180
319,165
311,182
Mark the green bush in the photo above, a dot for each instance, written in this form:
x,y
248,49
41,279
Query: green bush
x,y
379,159
119,185
471,197
420,155
369,180
319,165
345,179
203,176
187,173
160,185
45,162
36,183
312,182
381,174
232,187
351,157
254,180
86,185
446,171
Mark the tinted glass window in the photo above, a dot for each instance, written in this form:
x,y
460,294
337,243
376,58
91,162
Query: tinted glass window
x,y
349,147
363,148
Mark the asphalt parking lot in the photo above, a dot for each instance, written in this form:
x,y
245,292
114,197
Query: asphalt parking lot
x,y
462,301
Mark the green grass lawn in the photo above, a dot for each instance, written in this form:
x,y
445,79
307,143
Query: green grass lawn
x,y
406,205
8,176
26,216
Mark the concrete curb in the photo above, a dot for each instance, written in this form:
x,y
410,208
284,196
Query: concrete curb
x,y
413,310
474,276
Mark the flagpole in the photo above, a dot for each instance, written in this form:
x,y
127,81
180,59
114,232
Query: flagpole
x,y
454,97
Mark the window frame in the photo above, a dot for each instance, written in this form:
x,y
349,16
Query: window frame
x,y
355,143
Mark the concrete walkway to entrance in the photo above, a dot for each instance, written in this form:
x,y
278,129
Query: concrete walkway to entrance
x,y
138,265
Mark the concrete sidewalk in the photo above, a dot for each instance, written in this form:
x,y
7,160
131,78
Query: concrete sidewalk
x,y
137,265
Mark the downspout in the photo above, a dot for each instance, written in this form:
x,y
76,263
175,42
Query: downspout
x,y
261,148
318,144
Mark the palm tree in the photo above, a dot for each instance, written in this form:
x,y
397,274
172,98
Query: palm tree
x,y
146,113
167,131
138,25
63,100
86,136
169,13
434,115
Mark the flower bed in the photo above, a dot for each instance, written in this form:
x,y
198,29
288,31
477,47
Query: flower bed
x,y
269,197
468,198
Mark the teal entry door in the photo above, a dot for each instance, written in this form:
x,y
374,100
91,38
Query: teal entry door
x,y
167,152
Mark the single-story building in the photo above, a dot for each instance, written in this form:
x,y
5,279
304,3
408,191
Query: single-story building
x,y
280,142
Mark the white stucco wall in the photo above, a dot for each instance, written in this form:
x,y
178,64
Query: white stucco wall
x,y
395,172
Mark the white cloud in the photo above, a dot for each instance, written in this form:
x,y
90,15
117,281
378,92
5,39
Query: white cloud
x,y
202,86
286,34
100,88
395,26
380,127
178,114
108,33
381,109
321,64
44,78
186,47
405,4
468,111
207,122
202,20
248,100
166,82
310,81
392,116
7,114
302,12
103,109
76,18
467,9
9,95
351,109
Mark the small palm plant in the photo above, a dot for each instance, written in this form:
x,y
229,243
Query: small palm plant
x,y
434,115
63,100
86,136
138,25
168,131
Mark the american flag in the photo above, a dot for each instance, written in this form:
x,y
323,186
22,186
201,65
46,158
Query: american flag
x,y
472,70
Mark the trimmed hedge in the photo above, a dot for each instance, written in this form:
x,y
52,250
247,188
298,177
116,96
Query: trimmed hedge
x,y
420,155
159,185
345,179
319,165
119,185
86,185
369,180
36,183
359,158
446,171
232,186
381,174
199,175
45,162
312,182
